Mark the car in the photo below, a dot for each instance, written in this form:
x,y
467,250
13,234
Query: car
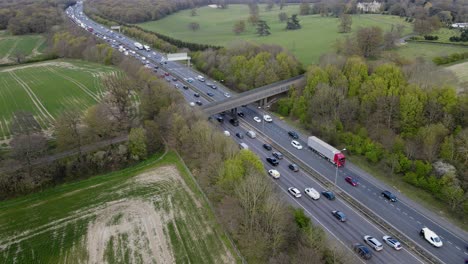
x,y
192,103
168,79
211,85
176,85
294,192
234,121
228,95
239,135
431,237
352,181
210,94
293,134
267,118
390,196
393,243
185,87
329,195
174,79
274,173
267,146
339,215
272,161
220,119
240,114
277,155
373,243
166,74
296,144
257,119
199,103
363,251
227,133
293,167
189,80
196,94
312,193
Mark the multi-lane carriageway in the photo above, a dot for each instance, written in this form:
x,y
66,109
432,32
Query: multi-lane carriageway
x,y
404,215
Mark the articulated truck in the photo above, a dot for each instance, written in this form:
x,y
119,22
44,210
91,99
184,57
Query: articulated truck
x,y
326,151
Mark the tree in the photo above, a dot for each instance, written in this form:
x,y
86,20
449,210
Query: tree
x,y
119,100
426,25
223,4
262,28
239,27
281,4
269,5
304,8
137,143
69,130
345,23
368,41
282,16
193,12
194,26
293,23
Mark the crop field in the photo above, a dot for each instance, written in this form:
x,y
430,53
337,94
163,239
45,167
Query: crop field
x,y
317,36
461,71
45,89
28,45
149,213
428,50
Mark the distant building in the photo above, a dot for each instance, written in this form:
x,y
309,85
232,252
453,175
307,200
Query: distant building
x,y
460,25
373,7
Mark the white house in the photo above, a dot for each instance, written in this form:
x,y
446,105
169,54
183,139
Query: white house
x,y
373,7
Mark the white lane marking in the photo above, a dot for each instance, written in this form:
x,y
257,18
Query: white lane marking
x,y
457,248
411,217
392,205
450,242
466,253
405,213
375,193
398,208
418,222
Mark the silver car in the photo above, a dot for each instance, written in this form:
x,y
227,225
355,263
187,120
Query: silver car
x,y
373,243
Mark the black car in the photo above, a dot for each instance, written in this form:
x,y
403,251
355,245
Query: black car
x,y
210,94
293,134
329,195
390,196
267,146
239,135
199,103
241,114
234,121
220,119
293,167
363,251
156,67
277,155
339,215
185,87
272,161
196,94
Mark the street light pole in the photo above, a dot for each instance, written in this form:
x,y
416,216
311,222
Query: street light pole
x,y
263,119
336,171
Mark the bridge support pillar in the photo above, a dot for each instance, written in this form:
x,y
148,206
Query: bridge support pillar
x,y
263,102
234,112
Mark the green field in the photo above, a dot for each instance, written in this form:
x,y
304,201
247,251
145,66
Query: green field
x,y
461,71
28,45
47,88
317,36
149,213
428,50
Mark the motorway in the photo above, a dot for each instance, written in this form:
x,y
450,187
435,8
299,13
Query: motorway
x,y
404,217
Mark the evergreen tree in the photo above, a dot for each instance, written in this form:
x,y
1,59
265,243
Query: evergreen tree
x,y
262,28
293,23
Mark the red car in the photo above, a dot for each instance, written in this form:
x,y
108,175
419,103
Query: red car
x,y
351,181
166,73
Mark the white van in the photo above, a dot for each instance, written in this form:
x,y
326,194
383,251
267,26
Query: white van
x,y
251,134
243,146
200,78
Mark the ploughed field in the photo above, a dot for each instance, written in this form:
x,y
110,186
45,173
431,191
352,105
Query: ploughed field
x,y
46,88
317,36
149,213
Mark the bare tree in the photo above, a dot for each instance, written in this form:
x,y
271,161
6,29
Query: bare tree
x,y
120,100
345,23
69,130
282,16
368,40
239,27
194,26
193,12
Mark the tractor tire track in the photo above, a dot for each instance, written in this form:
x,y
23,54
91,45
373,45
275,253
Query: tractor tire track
x,y
80,85
33,97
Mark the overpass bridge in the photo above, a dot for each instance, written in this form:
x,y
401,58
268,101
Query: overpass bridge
x,y
259,94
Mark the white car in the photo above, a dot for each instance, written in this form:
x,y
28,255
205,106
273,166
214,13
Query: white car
x,y
312,193
373,243
294,192
274,173
392,242
228,95
431,237
296,144
257,119
226,133
192,103
267,118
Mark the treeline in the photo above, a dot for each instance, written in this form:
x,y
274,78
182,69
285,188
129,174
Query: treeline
x,y
454,57
394,117
244,65
28,17
138,11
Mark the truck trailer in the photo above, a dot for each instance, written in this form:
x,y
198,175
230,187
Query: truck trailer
x,y
326,151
